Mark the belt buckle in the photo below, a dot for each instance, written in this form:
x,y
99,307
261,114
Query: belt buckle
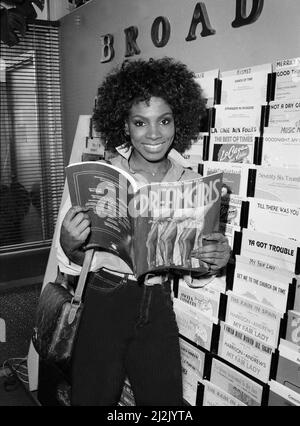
x,y
124,279
150,276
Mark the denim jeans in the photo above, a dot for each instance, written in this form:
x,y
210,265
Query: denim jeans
x,y
127,330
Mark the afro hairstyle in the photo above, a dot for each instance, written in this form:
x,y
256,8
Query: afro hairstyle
x,y
139,80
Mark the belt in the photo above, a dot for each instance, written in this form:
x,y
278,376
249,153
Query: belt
x,y
130,277
150,279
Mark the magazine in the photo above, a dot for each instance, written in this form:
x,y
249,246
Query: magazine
x,y
192,361
243,116
206,300
285,113
282,396
288,369
194,325
236,384
293,327
282,252
265,288
281,149
237,177
207,81
233,210
253,318
274,217
244,85
216,397
232,147
278,184
194,155
287,79
245,352
152,227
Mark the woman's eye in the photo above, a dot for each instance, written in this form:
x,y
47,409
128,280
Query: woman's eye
x,y
166,121
139,123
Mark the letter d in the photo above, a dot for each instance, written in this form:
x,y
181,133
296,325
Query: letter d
x,y
241,11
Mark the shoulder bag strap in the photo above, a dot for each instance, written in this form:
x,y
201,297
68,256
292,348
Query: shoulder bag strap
x,y
76,301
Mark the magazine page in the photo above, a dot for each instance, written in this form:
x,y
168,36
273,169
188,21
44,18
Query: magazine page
x,y
236,384
293,327
270,249
105,191
253,318
217,397
192,361
206,299
232,147
282,396
245,85
274,217
280,149
194,155
238,116
193,325
245,352
278,184
269,265
288,369
190,382
215,282
266,288
232,209
170,220
289,350
285,113
287,79
206,80
235,176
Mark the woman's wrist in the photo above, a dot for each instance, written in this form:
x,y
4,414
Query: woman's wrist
x,y
75,256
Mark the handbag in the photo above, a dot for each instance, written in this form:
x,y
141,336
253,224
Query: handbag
x,y
58,316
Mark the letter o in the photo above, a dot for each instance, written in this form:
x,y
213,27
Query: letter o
x,y
165,31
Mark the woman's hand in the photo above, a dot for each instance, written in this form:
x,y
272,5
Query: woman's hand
x,y
74,231
215,251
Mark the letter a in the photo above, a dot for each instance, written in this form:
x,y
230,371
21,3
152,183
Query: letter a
x,y
241,17
200,15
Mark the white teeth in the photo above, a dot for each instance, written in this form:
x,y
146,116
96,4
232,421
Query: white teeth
x,y
153,147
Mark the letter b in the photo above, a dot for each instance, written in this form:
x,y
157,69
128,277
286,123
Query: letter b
x,y
107,51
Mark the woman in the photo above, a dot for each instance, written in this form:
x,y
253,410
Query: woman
x,y
128,328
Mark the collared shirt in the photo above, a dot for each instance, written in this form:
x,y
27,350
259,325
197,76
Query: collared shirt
x,y
177,172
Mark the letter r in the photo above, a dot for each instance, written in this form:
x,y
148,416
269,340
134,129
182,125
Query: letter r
x,y
131,34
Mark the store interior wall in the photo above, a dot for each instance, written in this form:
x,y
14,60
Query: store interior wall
x,y
274,35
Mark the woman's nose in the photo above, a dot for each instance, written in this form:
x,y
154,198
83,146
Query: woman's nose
x,y
153,132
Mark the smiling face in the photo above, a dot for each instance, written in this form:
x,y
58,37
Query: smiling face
x,y
151,129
